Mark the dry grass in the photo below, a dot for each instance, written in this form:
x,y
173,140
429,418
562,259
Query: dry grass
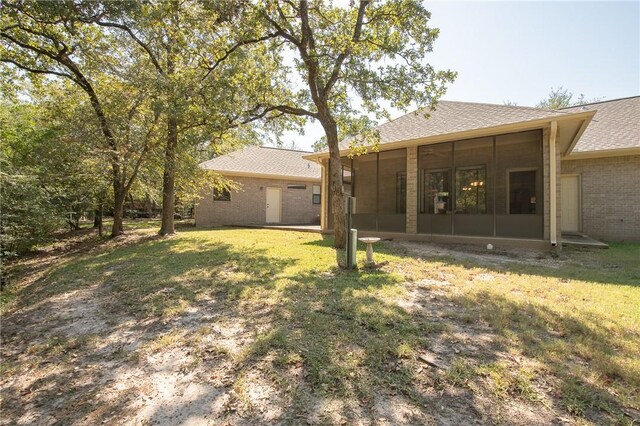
x,y
271,331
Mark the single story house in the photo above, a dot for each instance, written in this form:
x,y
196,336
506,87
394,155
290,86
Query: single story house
x,y
483,173
276,186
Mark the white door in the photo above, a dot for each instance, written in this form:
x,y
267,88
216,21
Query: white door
x,y
570,203
274,203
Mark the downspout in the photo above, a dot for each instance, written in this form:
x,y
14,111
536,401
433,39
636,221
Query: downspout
x,y
553,207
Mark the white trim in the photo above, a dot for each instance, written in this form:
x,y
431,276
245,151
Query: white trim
x,y
621,152
469,134
577,136
553,190
269,176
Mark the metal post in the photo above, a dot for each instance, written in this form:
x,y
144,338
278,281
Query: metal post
x,y
353,248
352,236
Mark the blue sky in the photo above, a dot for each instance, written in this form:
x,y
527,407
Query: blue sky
x,y
518,50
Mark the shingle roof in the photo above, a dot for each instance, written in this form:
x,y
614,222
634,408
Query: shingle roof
x,y
266,161
616,125
453,117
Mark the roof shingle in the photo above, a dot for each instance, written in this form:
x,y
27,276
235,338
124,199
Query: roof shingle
x,y
266,161
453,117
616,125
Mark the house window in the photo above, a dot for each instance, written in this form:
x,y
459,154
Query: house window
x,y
522,192
316,194
221,195
401,192
436,192
296,186
471,190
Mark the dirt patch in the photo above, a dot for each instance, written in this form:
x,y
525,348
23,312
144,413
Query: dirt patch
x,y
494,257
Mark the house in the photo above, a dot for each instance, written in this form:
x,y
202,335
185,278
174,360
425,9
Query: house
x,y
483,173
601,175
275,186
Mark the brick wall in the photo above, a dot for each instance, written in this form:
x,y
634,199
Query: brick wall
x,y
248,204
412,190
610,196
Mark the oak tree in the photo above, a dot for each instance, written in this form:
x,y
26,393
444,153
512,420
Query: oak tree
x,y
355,61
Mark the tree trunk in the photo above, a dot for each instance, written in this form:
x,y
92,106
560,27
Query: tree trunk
x,y
118,210
168,178
76,221
96,218
335,180
99,218
119,195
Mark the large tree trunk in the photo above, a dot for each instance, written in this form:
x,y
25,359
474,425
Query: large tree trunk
x,y
118,210
335,180
168,178
99,215
96,218
119,195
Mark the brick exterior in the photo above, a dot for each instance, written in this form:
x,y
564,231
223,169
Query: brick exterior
x,y
248,204
412,190
610,196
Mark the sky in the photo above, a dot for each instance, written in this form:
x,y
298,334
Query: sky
x,y
517,51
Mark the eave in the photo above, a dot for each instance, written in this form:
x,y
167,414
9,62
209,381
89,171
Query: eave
x,y
620,152
570,128
231,174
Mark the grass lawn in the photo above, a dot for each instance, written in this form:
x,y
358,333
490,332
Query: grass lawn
x,y
259,326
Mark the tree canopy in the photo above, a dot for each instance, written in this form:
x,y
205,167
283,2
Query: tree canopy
x,y
355,63
151,89
563,98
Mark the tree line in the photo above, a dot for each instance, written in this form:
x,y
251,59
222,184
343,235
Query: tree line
x,y
102,99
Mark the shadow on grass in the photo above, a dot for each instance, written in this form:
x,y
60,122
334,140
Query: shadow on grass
x,y
595,368
318,336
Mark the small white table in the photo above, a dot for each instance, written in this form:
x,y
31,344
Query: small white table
x,y
369,241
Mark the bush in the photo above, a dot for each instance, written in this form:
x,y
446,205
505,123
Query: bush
x,y
27,217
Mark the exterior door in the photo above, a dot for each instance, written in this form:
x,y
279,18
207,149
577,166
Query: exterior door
x,y
274,204
570,203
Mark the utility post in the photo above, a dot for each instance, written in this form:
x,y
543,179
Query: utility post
x,y
352,235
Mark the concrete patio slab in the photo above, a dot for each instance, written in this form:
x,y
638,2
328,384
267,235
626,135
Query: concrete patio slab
x,y
581,240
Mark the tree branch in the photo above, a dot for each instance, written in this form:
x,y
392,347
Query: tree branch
x,y
287,109
135,38
37,71
357,31
236,47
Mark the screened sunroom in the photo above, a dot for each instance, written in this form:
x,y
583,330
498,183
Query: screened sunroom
x,y
466,173
489,186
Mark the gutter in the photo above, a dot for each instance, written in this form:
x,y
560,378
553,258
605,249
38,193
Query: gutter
x,y
473,133
617,152
553,207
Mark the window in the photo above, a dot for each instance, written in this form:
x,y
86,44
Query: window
x,y
296,186
221,195
471,193
316,194
436,192
522,192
